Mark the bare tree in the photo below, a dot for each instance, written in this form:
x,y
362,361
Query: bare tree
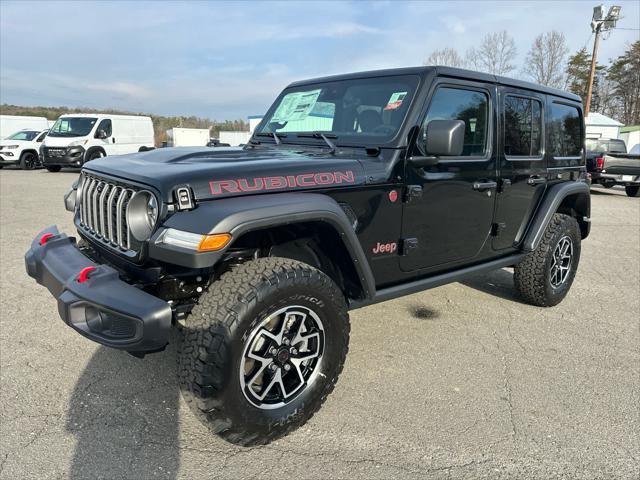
x,y
448,57
546,58
495,54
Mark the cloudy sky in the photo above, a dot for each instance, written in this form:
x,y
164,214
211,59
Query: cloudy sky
x,y
229,60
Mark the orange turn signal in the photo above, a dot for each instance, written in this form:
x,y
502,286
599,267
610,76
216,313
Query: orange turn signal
x,y
210,243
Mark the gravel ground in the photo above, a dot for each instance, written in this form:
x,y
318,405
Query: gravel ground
x,y
462,381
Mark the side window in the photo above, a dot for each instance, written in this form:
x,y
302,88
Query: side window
x,y
106,126
565,131
470,106
522,127
42,135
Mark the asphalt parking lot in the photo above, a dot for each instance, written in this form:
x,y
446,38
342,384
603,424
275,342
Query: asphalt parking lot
x,y
462,381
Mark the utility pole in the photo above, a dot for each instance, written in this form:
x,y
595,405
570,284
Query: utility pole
x,y
599,23
592,75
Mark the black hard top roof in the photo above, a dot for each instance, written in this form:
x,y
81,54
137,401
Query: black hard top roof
x,y
447,72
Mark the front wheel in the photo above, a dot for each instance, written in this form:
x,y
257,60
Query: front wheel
x,y
28,161
632,191
262,349
545,276
94,155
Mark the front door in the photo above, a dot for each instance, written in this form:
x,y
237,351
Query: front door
x,y
450,222
109,143
522,164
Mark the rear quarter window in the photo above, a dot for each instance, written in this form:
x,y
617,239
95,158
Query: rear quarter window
x,y
566,134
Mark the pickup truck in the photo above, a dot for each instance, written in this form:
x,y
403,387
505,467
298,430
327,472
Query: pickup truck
x,y
610,165
353,190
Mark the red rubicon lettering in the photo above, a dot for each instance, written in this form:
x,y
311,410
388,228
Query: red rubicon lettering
x,y
223,186
255,184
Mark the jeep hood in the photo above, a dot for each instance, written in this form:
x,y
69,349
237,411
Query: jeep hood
x,y
225,172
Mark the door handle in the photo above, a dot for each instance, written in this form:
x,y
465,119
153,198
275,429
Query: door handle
x,y
113,139
482,186
536,180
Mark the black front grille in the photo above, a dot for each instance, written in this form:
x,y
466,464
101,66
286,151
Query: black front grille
x,y
55,152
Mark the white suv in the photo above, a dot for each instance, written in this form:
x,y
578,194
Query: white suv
x,y
21,148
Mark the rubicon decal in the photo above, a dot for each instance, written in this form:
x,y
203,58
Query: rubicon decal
x,y
384,248
220,187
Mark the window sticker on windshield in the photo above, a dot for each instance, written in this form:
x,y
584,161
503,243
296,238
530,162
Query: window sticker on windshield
x,y
296,106
395,101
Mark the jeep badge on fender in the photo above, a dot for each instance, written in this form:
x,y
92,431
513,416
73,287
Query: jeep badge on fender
x,y
353,189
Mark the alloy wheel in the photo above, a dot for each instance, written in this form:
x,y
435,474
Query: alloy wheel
x,y
281,357
561,262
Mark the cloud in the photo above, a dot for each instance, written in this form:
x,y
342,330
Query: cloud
x,y
229,60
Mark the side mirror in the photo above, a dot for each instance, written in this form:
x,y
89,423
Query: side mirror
x,y
445,138
101,134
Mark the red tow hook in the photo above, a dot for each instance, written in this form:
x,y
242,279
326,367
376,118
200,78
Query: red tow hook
x,y
44,238
83,276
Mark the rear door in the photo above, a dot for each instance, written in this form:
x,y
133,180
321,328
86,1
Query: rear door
x,y
450,221
522,165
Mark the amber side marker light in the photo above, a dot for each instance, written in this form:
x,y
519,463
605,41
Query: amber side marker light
x,y
211,243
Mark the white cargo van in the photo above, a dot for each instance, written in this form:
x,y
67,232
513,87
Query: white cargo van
x,y
82,137
10,124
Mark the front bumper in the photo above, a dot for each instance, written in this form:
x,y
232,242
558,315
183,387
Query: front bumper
x,y
69,157
8,157
103,308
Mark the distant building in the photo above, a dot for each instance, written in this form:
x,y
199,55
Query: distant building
x,y
631,136
601,126
240,138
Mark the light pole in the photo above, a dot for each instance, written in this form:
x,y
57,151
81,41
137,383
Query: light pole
x,y
599,23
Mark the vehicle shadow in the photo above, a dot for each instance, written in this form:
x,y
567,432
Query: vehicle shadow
x,y
498,283
124,415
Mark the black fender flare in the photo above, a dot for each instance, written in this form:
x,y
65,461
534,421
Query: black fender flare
x,y
550,204
240,215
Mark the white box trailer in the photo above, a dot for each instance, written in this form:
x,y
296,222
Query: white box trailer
x,y
10,124
234,138
189,137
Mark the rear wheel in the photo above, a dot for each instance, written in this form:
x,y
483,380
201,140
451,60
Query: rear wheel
x,y
28,161
53,168
632,191
262,349
545,276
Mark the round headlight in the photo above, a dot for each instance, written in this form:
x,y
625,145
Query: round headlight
x,y
142,215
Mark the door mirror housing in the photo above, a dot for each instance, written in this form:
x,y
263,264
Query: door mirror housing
x,y
445,138
101,134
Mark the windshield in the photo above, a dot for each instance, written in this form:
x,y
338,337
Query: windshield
x,y
603,146
23,135
72,127
362,111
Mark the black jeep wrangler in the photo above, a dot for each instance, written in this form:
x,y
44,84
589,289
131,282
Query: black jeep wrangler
x,y
354,189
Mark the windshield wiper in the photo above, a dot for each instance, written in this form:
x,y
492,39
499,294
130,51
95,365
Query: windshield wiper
x,y
332,146
276,136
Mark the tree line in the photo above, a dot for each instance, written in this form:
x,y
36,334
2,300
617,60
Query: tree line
x,y
616,87
160,123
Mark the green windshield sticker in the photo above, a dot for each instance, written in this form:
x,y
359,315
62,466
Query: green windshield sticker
x,y
296,106
395,101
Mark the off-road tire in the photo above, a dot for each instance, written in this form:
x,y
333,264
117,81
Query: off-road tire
x,y
28,161
212,344
532,275
632,191
53,168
